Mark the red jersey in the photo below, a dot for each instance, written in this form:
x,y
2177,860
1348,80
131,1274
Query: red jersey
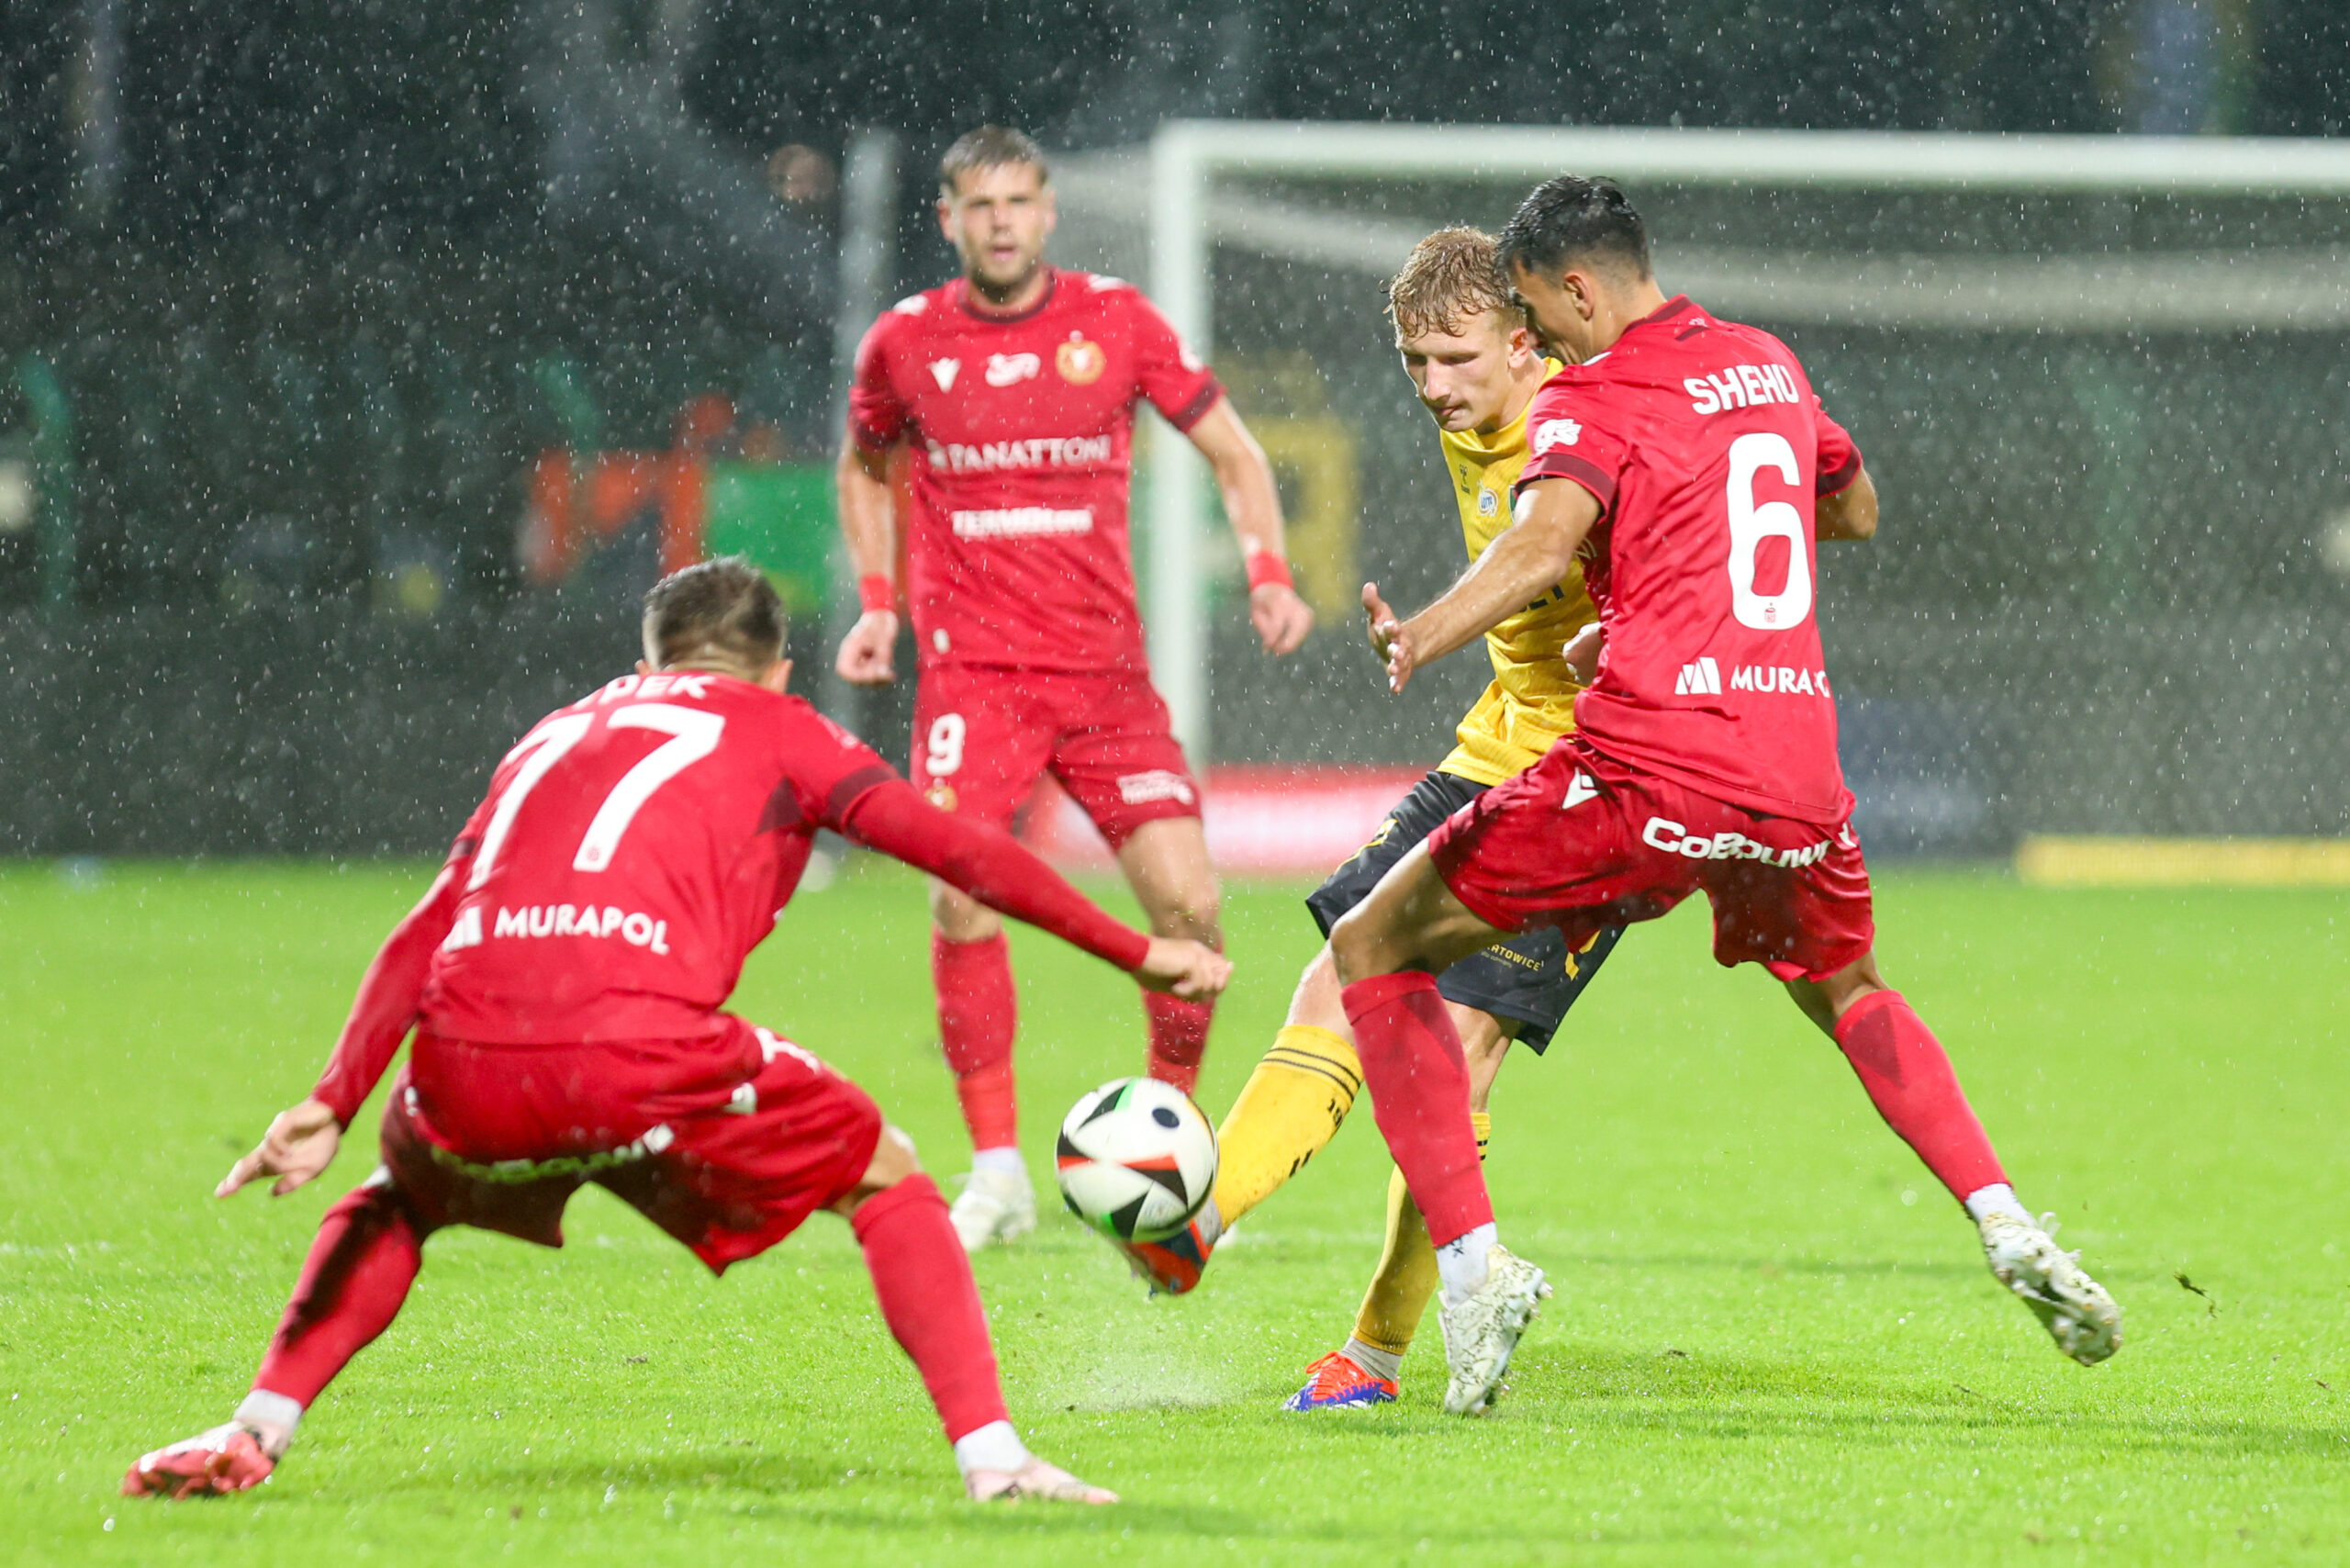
x,y
632,849
1022,434
1705,446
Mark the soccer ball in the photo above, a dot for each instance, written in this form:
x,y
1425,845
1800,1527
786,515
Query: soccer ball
x,y
1136,1159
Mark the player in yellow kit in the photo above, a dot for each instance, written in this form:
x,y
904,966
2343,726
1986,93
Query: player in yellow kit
x,y
1473,360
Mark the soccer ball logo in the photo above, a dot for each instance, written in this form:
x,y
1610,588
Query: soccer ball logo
x,y
1136,1159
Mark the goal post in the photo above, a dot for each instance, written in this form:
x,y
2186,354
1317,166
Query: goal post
x,y
2039,238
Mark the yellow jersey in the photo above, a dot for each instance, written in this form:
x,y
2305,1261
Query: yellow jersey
x,y
1531,700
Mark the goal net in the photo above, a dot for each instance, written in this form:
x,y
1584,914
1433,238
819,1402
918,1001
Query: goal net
x,y
2101,385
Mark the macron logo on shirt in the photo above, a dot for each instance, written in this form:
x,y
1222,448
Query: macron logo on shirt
x,y
943,371
1703,679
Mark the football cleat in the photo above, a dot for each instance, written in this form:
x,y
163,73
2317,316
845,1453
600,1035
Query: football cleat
x,y
1481,1333
1171,1266
1335,1382
215,1463
1033,1479
2075,1309
994,1206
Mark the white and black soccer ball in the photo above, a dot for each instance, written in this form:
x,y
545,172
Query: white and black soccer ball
x,y
1136,1159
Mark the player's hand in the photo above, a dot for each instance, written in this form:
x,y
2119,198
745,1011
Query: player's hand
x,y
1389,640
1187,968
1582,655
1280,617
299,1144
867,652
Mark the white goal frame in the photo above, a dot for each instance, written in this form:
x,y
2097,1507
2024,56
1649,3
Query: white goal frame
x,y
1184,218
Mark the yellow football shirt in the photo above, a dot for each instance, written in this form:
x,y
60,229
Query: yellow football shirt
x,y
1531,700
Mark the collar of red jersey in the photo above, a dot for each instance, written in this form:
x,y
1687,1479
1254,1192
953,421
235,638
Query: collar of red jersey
x,y
1005,317
1666,311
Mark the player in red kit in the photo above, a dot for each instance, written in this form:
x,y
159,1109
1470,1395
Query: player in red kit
x,y
1686,460
564,976
1011,395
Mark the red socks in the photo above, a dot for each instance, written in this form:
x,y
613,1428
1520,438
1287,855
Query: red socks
x,y
930,1301
1908,1077
978,1012
1419,1093
359,1270
1179,1038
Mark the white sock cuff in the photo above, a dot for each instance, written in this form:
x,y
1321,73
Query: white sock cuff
x,y
1004,1160
992,1447
1999,1198
264,1408
1462,1263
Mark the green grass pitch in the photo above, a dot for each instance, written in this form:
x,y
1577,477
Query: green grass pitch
x,y
1773,1340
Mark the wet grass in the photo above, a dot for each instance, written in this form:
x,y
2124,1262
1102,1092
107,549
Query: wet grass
x,y
1773,1340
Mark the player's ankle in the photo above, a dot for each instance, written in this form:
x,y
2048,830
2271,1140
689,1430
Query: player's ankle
x,y
1379,1364
1004,1160
1998,1200
1462,1263
272,1419
995,1447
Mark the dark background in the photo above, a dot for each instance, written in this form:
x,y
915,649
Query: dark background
x,y
300,268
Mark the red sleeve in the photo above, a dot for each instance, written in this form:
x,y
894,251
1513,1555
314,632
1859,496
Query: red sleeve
x,y
876,416
985,863
1568,439
1166,370
1840,460
391,992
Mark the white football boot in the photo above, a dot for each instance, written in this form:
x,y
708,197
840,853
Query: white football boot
x,y
2075,1309
994,1206
1481,1332
1036,1479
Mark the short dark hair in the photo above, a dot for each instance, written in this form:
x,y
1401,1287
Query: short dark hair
x,y
1568,218
725,609
990,147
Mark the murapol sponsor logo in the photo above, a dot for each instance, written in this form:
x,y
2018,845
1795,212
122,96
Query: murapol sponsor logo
x,y
634,927
1158,784
1702,677
1664,833
1782,679
1022,523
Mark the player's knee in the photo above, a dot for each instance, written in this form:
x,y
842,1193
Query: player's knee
x,y
1358,947
959,917
1196,912
893,1161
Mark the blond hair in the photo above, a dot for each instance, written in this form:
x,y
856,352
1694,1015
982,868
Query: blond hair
x,y
1452,275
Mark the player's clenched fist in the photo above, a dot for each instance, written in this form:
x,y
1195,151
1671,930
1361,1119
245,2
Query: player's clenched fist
x,y
1388,638
865,656
1188,968
300,1143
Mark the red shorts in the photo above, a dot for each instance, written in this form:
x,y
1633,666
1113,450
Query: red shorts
x,y
1584,843
727,1143
983,737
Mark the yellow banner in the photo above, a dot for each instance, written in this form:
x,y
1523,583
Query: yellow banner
x,y
2056,860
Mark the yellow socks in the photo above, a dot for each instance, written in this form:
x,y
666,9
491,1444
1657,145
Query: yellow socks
x,y
1407,1277
1291,1106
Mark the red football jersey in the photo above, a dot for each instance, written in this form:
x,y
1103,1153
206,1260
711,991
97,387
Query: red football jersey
x,y
1021,430
632,849
1705,446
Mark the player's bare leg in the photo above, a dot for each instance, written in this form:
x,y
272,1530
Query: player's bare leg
x,y
1388,950
923,1280
1166,863
1910,1078
977,1017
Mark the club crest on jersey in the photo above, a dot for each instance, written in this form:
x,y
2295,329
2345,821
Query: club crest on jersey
x,y
1488,503
1557,432
1081,361
1004,369
943,372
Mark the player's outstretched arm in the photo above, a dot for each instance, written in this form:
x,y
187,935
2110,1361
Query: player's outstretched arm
x,y
1849,513
985,863
1254,505
1524,561
391,993
869,524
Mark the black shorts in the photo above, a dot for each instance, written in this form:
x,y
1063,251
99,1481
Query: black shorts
x,y
1530,978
